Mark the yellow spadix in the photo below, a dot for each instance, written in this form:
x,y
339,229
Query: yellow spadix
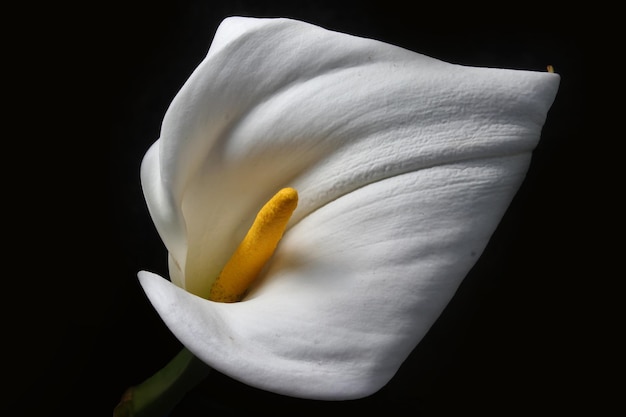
x,y
256,248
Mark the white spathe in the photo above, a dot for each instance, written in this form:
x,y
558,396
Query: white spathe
x,y
404,166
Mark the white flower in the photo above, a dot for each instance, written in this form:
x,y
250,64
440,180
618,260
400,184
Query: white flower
x,y
404,166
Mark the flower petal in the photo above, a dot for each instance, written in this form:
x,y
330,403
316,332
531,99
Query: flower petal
x,y
404,166
281,103
354,286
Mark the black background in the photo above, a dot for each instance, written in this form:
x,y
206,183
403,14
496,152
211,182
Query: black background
x,y
519,337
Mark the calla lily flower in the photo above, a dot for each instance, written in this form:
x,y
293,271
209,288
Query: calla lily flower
x,y
403,166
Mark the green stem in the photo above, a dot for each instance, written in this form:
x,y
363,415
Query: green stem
x,y
159,394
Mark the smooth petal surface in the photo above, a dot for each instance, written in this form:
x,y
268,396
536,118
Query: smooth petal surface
x,y
404,166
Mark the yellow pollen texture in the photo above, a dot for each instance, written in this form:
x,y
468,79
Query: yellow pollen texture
x,y
256,248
